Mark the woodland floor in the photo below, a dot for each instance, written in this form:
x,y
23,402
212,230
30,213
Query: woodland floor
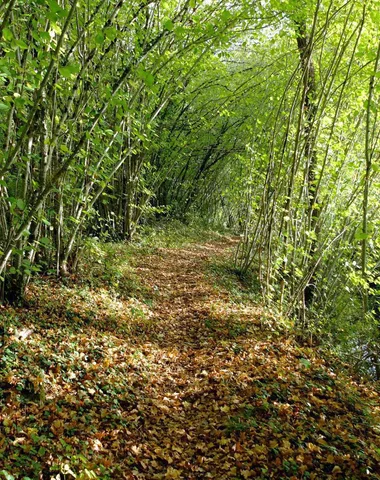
x,y
169,372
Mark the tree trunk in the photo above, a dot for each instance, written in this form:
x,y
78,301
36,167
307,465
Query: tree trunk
x,y
304,43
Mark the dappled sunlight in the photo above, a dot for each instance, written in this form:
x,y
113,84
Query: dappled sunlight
x,y
183,384
189,240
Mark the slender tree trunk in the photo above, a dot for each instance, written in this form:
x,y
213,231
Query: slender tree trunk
x,y
367,177
304,43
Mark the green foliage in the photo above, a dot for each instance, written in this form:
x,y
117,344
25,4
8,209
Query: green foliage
x,y
84,102
109,264
241,286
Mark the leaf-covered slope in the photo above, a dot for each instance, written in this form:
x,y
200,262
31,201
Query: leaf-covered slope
x,y
163,374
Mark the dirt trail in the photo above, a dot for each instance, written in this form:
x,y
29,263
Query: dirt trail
x,y
184,295
228,400
196,366
180,381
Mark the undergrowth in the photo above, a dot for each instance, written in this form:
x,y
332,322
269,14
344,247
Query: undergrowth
x,y
176,234
242,287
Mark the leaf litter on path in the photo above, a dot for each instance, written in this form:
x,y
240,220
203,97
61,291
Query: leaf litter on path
x,y
186,384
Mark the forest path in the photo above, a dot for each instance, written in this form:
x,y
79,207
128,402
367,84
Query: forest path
x,y
228,396
198,365
186,294
158,365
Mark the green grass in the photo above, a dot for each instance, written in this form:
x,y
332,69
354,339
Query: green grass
x,y
242,286
175,234
110,265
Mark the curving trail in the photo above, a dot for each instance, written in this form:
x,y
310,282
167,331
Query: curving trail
x,y
198,369
183,380
228,399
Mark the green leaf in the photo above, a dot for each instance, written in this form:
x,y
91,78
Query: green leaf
x,y
110,33
64,149
45,36
54,6
7,34
65,72
179,31
57,29
68,70
226,15
168,25
4,107
99,38
21,44
147,77
45,241
361,235
41,451
7,475
20,204
305,362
